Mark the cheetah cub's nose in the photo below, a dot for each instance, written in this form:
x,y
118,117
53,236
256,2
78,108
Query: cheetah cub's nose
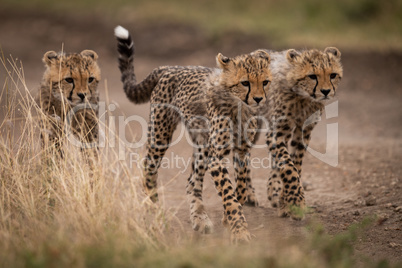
x,y
81,95
325,91
257,99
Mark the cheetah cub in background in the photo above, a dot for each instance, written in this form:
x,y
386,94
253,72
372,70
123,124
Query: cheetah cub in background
x,y
68,97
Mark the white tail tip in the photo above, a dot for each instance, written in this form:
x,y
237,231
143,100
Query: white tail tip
x,y
121,32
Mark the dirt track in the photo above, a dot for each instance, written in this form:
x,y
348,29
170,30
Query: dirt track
x,y
367,179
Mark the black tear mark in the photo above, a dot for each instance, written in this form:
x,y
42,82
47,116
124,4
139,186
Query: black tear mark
x,y
248,93
70,97
314,90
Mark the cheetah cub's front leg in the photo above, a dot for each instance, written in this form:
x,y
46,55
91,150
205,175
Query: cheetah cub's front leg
x,y
244,189
198,215
219,148
291,201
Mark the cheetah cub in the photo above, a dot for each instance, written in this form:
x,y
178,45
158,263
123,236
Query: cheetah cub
x,y
68,97
303,82
217,106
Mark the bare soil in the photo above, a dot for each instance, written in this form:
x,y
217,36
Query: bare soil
x,y
367,179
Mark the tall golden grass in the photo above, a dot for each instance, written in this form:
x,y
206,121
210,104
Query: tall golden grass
x,y
52,208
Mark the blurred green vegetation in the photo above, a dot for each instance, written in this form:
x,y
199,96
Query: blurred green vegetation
x,y
357,24
319,250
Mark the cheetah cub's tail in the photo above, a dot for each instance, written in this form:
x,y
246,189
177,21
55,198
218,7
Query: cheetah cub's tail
x,y
125,44
126,49
137,93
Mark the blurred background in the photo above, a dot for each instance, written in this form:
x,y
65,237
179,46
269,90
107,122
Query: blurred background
x,y
177,26
358,24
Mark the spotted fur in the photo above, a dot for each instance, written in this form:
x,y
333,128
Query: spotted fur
x,y
209,101
68,96
303,82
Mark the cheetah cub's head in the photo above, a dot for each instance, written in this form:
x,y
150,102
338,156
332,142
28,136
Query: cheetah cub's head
x,y
247,76
72,78
315,74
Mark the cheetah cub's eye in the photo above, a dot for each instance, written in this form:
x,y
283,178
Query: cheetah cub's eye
x,y
91,79
245,83
313,76
333,75
265,82
69,80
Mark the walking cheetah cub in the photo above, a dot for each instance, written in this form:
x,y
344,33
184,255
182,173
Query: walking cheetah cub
x,y
216,106
303,82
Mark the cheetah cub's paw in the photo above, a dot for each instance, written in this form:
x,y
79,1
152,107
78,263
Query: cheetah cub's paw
x,y
240,234
201,223
251,201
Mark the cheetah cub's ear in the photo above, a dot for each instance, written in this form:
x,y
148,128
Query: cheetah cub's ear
x,y
222,61
89,53
262,54
334,51
293,56
50,57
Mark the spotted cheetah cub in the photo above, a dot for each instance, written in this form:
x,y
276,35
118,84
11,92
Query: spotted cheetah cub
x,y
68,97
303,82
216,106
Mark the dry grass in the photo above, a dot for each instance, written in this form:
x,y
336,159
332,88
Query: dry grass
x,y
53,208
